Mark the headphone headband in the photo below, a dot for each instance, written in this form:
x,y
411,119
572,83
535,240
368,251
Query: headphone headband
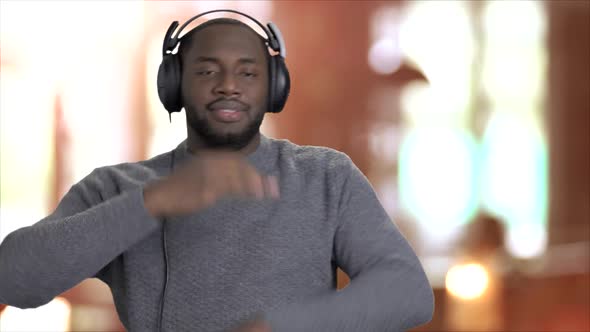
x,y
274,38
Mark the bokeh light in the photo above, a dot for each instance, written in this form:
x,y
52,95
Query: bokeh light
x,y
468,281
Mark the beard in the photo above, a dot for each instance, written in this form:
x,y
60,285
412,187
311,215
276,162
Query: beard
x,y
213,139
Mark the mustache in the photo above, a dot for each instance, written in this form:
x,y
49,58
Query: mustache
x,y
229,103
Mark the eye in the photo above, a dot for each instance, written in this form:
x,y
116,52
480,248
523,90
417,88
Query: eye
x,y
205,72
248,74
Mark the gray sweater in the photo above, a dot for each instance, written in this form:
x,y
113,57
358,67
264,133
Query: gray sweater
x,y
235,260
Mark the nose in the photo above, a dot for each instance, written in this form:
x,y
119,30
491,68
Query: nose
x,y
227,86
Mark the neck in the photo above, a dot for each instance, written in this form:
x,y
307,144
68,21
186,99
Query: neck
x,y
196,145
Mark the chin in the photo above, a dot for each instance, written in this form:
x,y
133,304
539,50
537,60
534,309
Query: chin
x,y
227,138
225,135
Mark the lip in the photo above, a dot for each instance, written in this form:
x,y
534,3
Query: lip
x,y
228,104
227,115
227,110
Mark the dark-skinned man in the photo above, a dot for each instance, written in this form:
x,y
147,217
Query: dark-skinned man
x,y
231,230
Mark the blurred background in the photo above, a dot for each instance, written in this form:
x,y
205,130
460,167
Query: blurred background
x,y
471,119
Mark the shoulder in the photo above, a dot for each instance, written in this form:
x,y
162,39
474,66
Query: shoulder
x,y
311,157
108,181
129,173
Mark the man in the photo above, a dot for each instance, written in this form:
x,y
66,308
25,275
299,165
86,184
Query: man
x,y
231,230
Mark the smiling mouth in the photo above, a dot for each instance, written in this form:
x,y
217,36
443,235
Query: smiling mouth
x,y
227,115
227,110
228,104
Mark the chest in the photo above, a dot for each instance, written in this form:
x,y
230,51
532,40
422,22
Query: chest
x,y
239,231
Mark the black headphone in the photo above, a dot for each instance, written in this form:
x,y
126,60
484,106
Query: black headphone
x,y
170,71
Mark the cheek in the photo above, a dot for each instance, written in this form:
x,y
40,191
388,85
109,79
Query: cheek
x,y
190,94
261,91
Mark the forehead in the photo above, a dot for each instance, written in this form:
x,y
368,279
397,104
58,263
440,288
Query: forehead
x,y
221,40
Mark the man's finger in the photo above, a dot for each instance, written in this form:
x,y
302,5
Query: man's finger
x,y
272,186
256,184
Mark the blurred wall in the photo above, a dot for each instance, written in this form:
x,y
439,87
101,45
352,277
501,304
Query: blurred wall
x,y
568,121
337,100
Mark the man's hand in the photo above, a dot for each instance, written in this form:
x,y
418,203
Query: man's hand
x,y
203,180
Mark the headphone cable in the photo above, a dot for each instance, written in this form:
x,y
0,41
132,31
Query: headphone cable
x,y
165,221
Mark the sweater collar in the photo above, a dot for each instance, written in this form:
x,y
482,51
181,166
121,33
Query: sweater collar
x,y
262,158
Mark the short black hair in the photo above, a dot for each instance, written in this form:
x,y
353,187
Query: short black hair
x,y
186,41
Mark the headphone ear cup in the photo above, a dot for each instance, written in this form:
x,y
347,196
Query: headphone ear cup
x,y
169,83
280,84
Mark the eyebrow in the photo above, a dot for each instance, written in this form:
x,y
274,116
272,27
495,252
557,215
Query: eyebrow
x,y
200,59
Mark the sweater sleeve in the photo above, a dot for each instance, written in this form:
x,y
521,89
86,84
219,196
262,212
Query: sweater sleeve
x,y
388,291
84,234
